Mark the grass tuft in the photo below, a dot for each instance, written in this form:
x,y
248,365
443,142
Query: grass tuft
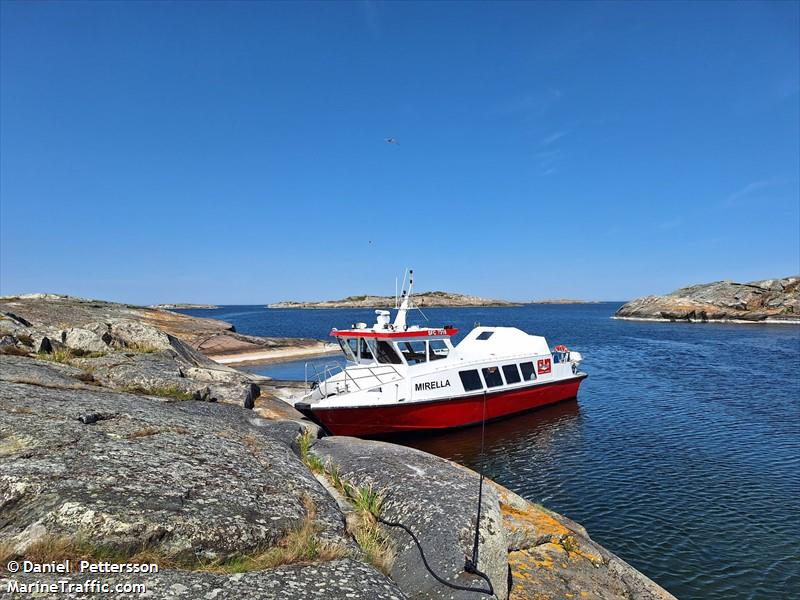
x,y
14,350
25,339
65,355
52,548
162,391
301,545
367,502
11,443
150,430
569,544
366,499
141,348
376,546
312,461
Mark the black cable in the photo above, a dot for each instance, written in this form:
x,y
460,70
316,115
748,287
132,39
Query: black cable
x,y
471,566
475,544
454,586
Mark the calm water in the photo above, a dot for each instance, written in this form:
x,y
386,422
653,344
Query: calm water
x,y
681,455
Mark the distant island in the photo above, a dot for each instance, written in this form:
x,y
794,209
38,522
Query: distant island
x,y
429,299
768,300
182,306
564,301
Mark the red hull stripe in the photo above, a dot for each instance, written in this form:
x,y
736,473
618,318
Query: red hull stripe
x,y
394,334
441,414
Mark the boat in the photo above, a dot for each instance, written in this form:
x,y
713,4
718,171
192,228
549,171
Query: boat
x,y
403,378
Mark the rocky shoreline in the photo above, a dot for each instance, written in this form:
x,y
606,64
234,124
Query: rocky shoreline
x,y
764,301
213,338
429,299
565,301
122,442
183,306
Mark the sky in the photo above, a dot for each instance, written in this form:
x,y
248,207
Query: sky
x,y
235,153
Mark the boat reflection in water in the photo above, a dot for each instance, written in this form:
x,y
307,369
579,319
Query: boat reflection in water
x,y
530,434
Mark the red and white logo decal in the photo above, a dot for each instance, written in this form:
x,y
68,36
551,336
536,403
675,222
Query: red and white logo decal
x,y
543,366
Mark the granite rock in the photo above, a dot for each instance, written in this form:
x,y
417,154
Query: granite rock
x,y
196,480
437,500
344,579
767,300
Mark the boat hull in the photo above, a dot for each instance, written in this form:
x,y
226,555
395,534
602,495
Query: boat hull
x,y
439,414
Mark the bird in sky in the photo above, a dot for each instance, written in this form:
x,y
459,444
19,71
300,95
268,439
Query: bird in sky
x,y
391,140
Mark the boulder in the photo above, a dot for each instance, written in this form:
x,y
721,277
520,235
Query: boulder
x,y
21,369
83,340
437,500
164,374
131,333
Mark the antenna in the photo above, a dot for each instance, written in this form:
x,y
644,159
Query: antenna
x,y
404,301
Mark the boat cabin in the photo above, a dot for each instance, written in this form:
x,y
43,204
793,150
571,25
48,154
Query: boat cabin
x,y
413,346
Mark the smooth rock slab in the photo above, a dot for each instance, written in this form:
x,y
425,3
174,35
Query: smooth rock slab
x,y
22,369
437,499
187,478
337,580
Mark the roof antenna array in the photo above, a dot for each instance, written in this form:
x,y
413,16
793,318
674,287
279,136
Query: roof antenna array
x,y
404,301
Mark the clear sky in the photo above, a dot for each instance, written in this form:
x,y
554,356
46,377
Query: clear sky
x,y
234,152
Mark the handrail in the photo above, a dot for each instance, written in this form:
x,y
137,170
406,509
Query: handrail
x,y
354,374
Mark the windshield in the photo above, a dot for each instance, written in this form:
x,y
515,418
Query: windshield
x,y
348,351
386,354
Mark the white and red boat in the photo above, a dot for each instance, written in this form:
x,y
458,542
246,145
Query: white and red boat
x,y
402,378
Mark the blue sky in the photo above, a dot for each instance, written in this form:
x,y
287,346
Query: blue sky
x,y
234,153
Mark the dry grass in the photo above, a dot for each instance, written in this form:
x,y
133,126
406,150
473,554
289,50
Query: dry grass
x,y
53,548
141,348
374,543
6,553
301,545
65,355
87,377
14,350
11,444
252,443
25,339
150,430
365,529
162,391
367,502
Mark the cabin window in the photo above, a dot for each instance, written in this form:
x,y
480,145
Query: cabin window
x,y
528,372
364,350
414,352
437,349
492,377
511,373
386,354
470,380
348,349
485,335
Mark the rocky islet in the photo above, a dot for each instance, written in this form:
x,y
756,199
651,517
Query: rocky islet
x,y
767,300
